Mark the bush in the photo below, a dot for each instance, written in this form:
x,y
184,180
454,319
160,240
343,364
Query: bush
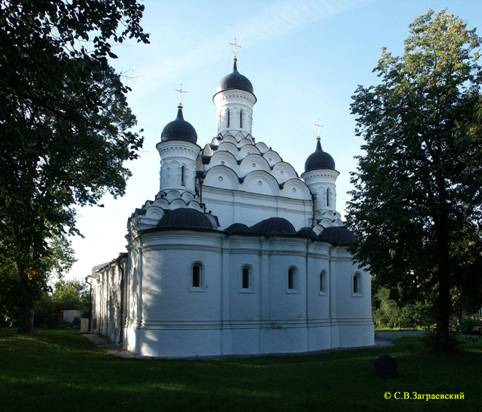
x,y
45,311
466,326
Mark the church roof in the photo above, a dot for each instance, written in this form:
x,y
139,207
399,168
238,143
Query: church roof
x,y
307,233
337,236
185,217
179,129
273,226
235,81
319,160
238,229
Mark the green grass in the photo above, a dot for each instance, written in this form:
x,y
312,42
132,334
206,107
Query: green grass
x,y
59,370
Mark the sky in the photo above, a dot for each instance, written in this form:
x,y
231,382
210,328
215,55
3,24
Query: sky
x,y
305,59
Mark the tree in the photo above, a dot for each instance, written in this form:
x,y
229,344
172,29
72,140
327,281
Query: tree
x,y
416,203
387,313
59,260
65,126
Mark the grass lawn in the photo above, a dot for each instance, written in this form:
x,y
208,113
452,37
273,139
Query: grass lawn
x,y
59,370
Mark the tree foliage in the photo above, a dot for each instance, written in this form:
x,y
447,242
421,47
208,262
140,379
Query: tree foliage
x,y
65,126
416,206
388,313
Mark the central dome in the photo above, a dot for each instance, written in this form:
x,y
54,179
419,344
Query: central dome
x,y
235,81
179,129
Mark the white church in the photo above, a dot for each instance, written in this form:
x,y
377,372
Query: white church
x,y
237,254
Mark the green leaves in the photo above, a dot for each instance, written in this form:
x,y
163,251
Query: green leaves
x,y
417,196
66,129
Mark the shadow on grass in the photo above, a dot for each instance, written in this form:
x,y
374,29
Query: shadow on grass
x,y
59,370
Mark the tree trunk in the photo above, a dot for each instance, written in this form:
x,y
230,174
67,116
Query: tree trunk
x,y
25,321
26,303
442,332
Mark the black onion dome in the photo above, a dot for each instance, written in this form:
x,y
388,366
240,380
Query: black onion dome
x,y
179,129
185,217
307,233
235,80
273,226
338,236
319,160
238,229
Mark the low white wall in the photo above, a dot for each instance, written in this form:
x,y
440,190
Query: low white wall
x,y
220,318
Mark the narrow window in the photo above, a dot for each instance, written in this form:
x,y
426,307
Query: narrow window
x,y
328,197
228,118
291,278
182,176
246,277
322,281
241,119
356,283
196,275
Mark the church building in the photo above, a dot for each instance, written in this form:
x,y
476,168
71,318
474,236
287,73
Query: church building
x,y
237,254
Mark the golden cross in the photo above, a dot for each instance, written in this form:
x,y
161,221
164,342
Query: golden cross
x,y
318,127
234,46
181,92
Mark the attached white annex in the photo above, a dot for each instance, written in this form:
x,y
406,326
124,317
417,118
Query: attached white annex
x,y
237,254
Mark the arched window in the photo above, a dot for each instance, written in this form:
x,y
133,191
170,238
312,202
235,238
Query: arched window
x,y
182,176
246,277
356,283
328,200
292,278
196,275
323,281
228,118
241,119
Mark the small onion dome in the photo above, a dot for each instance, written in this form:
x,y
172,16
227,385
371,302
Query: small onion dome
x,y
273,226
185,217
307,233
319,159
179,129
234,80
238,229
337,236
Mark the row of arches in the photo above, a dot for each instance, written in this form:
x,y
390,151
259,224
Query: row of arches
x,y
257,181
241,142
282,171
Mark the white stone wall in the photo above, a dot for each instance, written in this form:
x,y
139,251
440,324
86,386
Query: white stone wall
x,y
234,101
322,183
238,206
221,318
108,300
178,157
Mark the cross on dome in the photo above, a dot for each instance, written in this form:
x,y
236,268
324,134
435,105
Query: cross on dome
x,y
181,91
234,48
318,127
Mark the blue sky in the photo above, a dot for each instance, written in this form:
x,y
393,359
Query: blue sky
x,y
304,58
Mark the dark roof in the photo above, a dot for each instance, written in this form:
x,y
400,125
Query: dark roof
x,y
319,160
235,80
239,229
273,226
179,129
307,233
185,217
337,235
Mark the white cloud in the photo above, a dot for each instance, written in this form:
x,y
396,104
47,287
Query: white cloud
x,y
273,20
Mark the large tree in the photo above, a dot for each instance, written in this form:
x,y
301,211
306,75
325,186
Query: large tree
x,y
65,126
416,206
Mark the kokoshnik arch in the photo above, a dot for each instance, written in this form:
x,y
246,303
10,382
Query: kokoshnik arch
x,y
237,254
